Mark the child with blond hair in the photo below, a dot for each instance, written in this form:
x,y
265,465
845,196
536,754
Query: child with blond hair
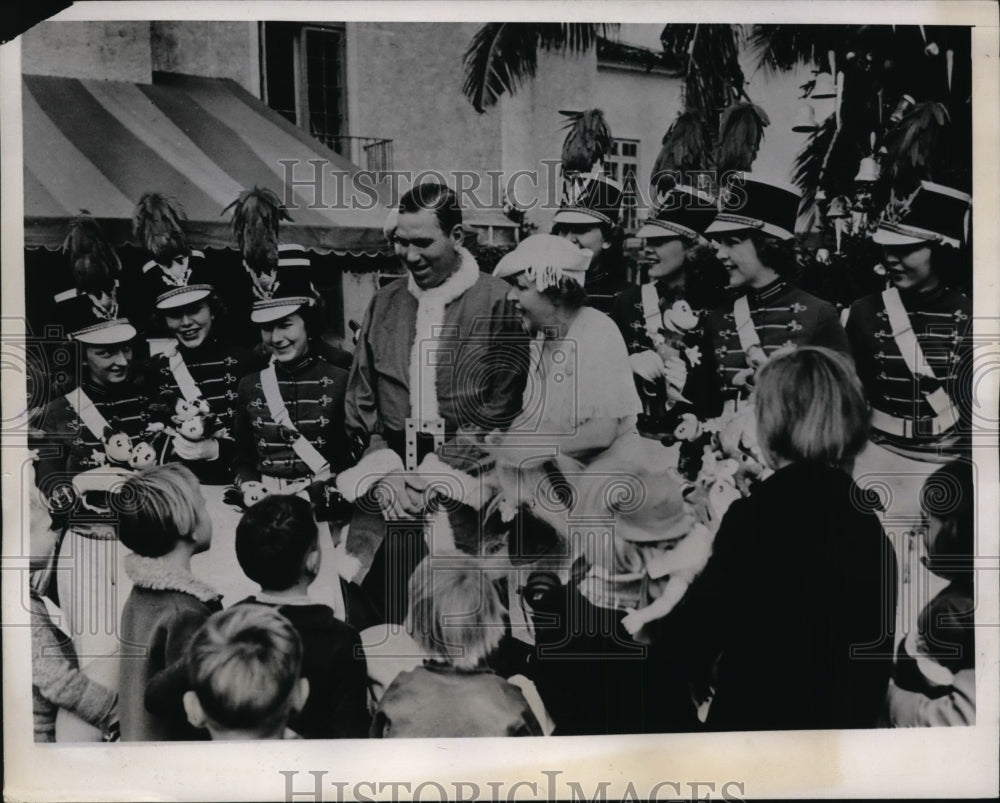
x,y
457,619
163,520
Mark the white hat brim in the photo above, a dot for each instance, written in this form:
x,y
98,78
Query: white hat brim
x,y
113,332
890,238
277,311
577,216
175,300
651,231
725,226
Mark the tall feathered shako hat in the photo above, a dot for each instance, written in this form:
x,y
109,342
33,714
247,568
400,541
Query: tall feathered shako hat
x,y
934,213
290,292
758,204
595,199
681,212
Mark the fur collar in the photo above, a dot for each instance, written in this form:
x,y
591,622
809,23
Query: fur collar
x,y
430,317
154,574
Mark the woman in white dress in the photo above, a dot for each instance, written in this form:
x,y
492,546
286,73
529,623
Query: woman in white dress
x,y
574,459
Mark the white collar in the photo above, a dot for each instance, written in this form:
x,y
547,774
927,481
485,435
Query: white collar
x,y
454,286
275,599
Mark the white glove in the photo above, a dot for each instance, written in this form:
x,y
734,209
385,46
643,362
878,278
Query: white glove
x,y
205,449
675,372
647,365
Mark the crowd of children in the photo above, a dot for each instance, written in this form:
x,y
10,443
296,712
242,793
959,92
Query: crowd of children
x,y
281,665
690,545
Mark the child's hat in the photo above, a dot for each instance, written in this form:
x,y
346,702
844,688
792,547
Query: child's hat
x,y
633,486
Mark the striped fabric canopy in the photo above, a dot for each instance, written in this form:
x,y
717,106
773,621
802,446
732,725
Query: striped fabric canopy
x,y
99,145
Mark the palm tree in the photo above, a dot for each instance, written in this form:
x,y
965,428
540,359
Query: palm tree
x,y
503,55
905,101
904,98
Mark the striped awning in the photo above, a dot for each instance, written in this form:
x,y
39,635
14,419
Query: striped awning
x,y
99,145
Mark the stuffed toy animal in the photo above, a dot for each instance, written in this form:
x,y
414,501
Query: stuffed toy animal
x,y
246,495
143,456
679,317
117,447
192,419
692,438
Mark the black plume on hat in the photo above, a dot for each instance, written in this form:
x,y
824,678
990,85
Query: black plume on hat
x,y
93,262
156,222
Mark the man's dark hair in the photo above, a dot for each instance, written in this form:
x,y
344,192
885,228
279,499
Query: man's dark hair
x,y
437,197
273,538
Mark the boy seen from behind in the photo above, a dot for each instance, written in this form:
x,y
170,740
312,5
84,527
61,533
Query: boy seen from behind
x,y
244,668
277,546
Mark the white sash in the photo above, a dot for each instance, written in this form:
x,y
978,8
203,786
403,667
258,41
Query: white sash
x,y
744,325
182,376
306,452
175,362
88,413
909,348
651,307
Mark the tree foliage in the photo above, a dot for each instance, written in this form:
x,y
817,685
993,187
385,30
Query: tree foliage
x,y
503,55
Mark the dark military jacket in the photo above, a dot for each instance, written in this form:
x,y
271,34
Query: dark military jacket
x,y
783,316
313,392
67,446
942,323
216,369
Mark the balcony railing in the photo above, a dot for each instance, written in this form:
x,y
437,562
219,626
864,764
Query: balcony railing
x,y
371,153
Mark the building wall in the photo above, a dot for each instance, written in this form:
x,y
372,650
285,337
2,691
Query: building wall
x,y
532,129
639,106
109,51
212,49
405,84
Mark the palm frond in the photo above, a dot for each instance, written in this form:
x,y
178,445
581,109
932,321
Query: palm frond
x,y
777,48
713,78
686,147
503,55
741,129
913,144
156,223
94,264
807,170
588,140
